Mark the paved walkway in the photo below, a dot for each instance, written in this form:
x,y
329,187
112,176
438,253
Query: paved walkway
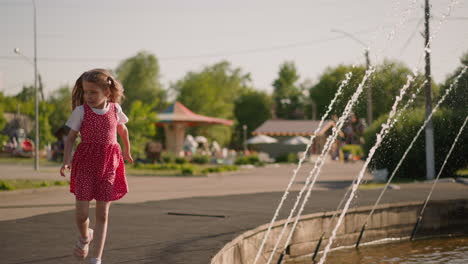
x,y
149,225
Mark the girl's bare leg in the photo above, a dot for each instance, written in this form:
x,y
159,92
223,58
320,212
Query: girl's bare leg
x,y
82,217
100,229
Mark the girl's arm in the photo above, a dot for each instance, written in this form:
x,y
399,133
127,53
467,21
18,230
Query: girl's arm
x,y
69,143
123,132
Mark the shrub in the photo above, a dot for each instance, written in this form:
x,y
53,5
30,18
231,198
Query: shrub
x,y
219,169
248,159
163,166
200,159
446,126
288,158
187,170
168,157
180,160
355,150
138,165
5,186
61,183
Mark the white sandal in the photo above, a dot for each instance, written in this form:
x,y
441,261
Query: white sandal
x,y
95,261
81,249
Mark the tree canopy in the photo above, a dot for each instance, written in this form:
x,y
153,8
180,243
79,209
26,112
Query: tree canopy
x,y
61,100
286,94
140,78
457,100
385,83
251,109
212,92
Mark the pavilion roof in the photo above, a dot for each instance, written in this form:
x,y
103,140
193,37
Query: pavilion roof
x,y
179,113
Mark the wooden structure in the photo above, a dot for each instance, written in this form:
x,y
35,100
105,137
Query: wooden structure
x,y
176,118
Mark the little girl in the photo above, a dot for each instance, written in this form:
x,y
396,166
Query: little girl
x,y
97,169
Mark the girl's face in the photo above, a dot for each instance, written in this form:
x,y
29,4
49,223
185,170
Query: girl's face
x,y
94,95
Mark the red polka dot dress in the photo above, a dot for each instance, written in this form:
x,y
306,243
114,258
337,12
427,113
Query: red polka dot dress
x,y
98,170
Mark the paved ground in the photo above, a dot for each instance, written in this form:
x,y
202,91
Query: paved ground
x,y
147,226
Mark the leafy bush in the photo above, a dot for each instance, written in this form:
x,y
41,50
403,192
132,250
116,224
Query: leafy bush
x,y
219,169
200,159
355,150
61,183
168,157
188,170
181,160
5,186
446,126
3,140
14,184
163,166
248,159
288,158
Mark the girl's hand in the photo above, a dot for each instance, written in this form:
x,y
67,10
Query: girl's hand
x,y
63,168
128,157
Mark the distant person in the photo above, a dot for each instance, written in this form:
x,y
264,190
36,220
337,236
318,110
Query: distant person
x,y
97,169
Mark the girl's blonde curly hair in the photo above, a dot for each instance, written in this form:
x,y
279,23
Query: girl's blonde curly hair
x,y
103,79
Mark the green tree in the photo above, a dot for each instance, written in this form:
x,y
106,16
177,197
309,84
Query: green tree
x,y
212,92
324,91
22,102
27,92
45,130
386,83
141,125
2,110
252,109
140,78
3,138
446,125
61,100
286,94
457,100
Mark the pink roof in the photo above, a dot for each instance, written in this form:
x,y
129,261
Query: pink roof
x,y
177,112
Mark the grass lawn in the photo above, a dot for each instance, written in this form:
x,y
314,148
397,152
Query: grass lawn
x,y
26,161
131,171
16,184
163,170
381,185
172,169
462,173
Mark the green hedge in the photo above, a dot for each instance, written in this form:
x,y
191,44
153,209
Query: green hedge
x,y
446,126
181,160
355,150
220,169
249,159
168,157
162,166
288,158
188,170
14,184
200,159
185,169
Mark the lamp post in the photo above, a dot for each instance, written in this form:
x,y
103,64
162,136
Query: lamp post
x,y
369,88
429,130
36,103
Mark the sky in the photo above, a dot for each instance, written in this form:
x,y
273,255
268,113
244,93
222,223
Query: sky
x,y
256,36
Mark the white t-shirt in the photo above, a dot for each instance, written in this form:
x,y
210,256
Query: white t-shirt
x,y
76,118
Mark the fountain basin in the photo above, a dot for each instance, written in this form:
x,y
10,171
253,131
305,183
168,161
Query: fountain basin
x,y
395,220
